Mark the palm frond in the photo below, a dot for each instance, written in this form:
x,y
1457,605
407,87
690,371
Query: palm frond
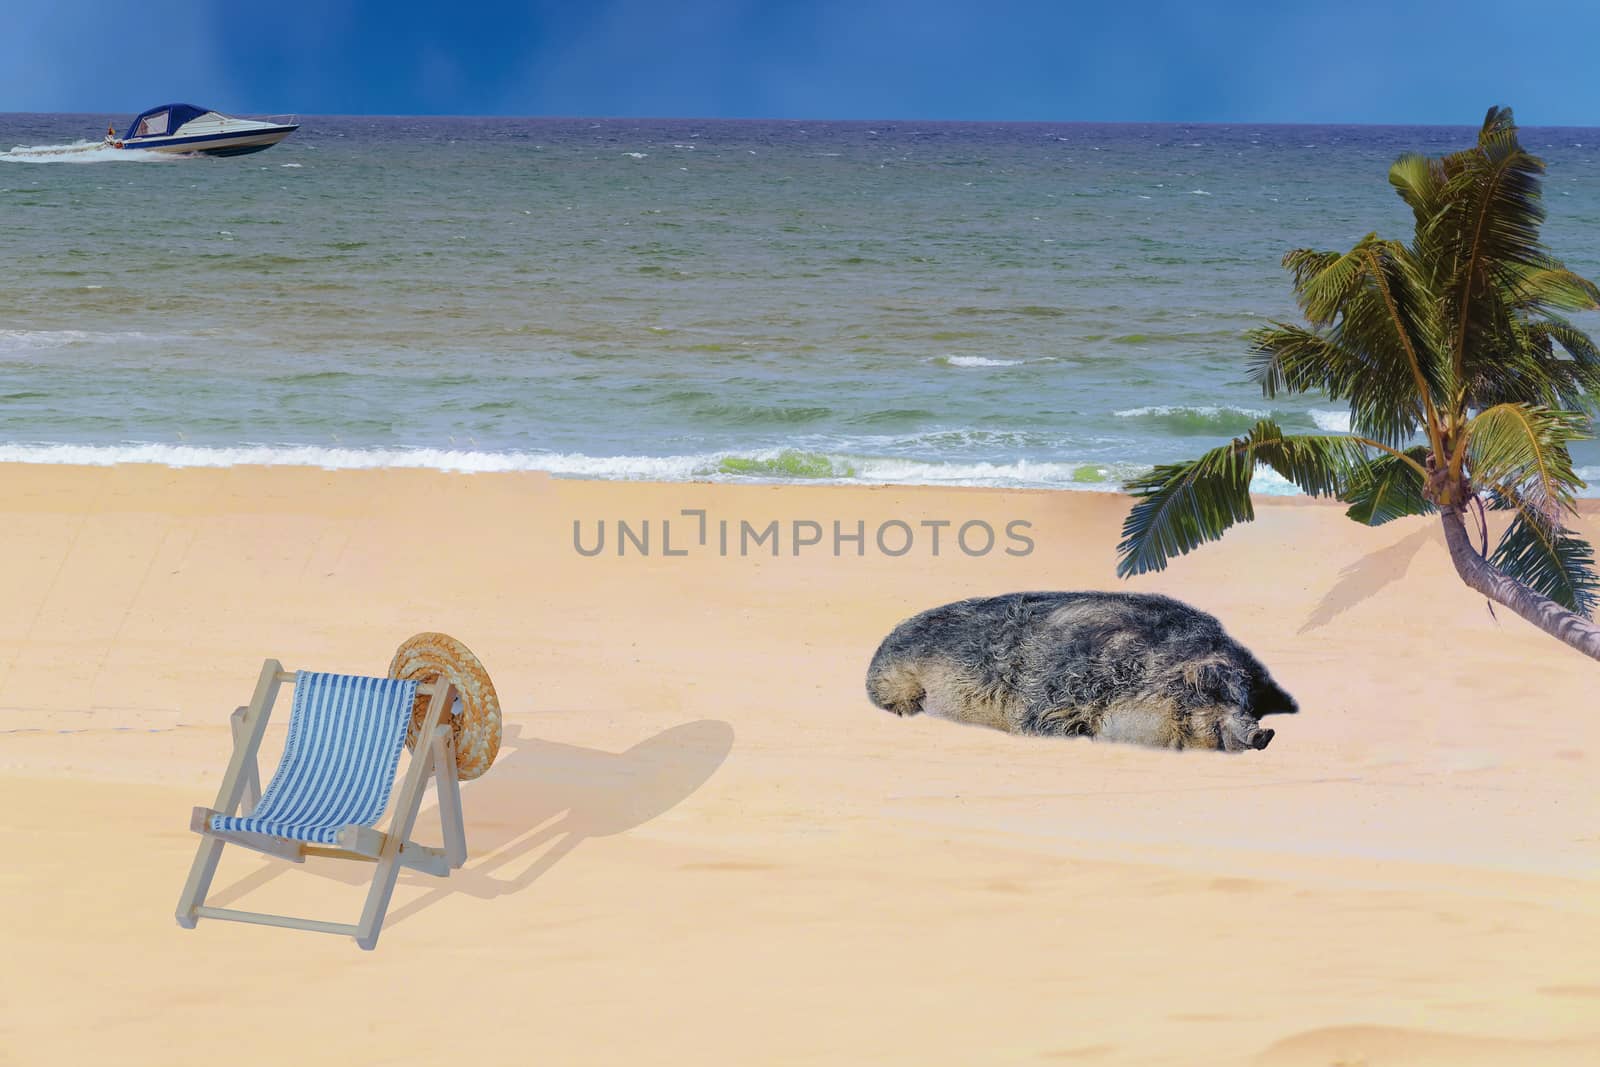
x,y
1390,322
1374,339
1306,263
1550,286
1551,560
1520,450
1578,344
1388,488
1498,119
1324,281
1574,371
1488,232
1285,358
1181,506
1420,181
1511,363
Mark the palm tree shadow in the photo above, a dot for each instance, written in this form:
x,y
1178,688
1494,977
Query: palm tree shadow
x,y
1366,577
543,799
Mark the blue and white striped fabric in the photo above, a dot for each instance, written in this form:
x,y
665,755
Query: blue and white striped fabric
x,y
345,736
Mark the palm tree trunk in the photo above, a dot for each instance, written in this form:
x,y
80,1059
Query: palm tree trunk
x,y
1540,610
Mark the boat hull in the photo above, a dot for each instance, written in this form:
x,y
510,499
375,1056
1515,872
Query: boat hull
x,y
240,143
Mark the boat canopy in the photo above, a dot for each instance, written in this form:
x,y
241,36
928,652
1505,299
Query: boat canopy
x,y
162,121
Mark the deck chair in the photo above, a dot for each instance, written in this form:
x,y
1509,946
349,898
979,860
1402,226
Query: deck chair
x,y
330,790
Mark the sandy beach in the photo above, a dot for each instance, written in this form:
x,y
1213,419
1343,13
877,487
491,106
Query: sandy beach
x,y
701,844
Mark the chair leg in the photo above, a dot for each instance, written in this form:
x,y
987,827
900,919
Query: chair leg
x,y
448,787
388,869
252,776
247,731
405,817
195,889
377,906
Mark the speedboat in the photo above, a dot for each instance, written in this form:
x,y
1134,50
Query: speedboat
x,y
186,128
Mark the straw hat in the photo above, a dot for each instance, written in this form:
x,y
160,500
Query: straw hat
x,y
426,658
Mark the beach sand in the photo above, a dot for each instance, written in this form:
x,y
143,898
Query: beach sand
x,y
701,844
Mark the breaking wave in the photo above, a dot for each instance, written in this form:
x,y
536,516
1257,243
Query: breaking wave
x,y
1196,421
772,465
976,361
18,340
1331,421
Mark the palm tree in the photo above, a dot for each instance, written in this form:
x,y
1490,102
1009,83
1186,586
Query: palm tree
x,y
1465,384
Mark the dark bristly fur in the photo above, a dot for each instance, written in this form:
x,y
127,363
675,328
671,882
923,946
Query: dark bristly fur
x,y
1116,666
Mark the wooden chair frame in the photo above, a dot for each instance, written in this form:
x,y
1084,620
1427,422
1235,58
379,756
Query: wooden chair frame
x,y
434,757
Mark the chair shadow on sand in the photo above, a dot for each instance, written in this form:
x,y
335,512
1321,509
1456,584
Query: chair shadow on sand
x,y
549,796
1366,578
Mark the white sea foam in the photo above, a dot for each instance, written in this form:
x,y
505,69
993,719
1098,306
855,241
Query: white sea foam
x,y
19,340
296,165
1332,421
85,152
653,468
1328,421
271,456
1203,411
1268,482
753,466
977,361
636,155
762,466
1022,473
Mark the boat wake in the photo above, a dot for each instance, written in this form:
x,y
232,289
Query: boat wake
x,y
84,152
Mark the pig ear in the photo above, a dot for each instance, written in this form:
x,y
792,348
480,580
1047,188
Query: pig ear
x,y
1267,697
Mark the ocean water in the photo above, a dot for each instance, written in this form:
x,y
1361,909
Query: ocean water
x,y
961,303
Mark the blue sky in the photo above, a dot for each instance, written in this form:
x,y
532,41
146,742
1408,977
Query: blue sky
x,y
1428,61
